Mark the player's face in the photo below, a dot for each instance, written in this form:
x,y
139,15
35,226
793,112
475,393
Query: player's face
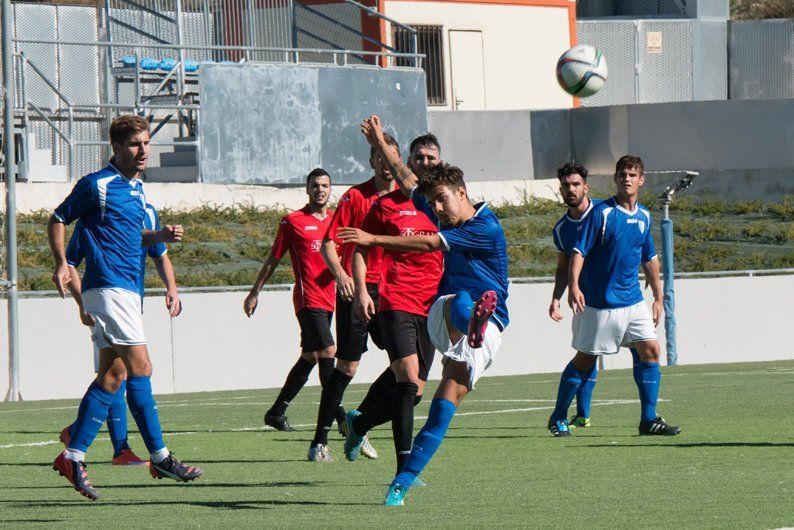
x,y
424,158
573,190
380,168
132,155
447,203
629,182
319,190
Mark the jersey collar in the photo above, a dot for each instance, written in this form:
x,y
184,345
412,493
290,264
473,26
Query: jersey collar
x,y
622,209
584,214
131,182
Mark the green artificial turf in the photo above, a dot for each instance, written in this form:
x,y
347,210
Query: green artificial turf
x,y
733,465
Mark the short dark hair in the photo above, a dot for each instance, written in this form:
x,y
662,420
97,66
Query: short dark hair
x,y
389,141
630,162
125,125
441,175
316,172
572,168
428,140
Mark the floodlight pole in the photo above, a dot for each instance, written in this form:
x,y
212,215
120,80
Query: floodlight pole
x,y
668,264
13,393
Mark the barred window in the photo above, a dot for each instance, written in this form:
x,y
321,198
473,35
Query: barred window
x,y
431,43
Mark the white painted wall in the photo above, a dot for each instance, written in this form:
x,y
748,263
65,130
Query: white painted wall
x,y
521,45
213,346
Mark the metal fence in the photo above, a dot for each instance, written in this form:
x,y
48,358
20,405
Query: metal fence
x,y
761,57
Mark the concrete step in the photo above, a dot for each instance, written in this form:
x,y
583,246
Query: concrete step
x,y
178,158
171,174
185,147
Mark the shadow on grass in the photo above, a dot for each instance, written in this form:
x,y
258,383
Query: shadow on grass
x,y
693,445
192,485
196,461
223,505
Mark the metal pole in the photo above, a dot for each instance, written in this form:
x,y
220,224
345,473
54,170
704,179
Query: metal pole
x,y
13,393
669,290
181,80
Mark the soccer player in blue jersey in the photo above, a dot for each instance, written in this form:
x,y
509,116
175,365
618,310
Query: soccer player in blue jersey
x,y
466,320
117,414
605,295
111,205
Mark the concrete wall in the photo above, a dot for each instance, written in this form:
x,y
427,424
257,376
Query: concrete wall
x,y
521,45
213,346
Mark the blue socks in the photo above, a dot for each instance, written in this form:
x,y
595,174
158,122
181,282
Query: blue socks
x,y
585,393
91,415
144,411
427,441
117,420
648,377
570,381
460,311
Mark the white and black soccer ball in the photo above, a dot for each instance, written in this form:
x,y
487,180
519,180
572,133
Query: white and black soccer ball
x,y
582,71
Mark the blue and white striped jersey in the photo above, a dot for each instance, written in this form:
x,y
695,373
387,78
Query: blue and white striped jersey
x,y
111,208
614,242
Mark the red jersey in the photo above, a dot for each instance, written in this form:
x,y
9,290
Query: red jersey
x,y
409,280
302,233
351,210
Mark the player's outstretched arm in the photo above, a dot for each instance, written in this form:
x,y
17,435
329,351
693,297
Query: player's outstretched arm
x,y
344,283
651,269
168,234
575,296
268,267
560,283
363,305
55,235
373,131
165,270
419,243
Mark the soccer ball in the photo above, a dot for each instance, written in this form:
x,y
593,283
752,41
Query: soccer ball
x,y
582,71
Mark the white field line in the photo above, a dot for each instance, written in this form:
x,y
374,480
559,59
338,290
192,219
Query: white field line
x,y
595,403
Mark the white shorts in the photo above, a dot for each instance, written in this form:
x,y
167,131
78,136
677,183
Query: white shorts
x,y
478,359
117,313
598,331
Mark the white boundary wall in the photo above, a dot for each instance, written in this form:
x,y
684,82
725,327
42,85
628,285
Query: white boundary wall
x,y
213,346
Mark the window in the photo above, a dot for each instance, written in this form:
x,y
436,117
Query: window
x,y
429,42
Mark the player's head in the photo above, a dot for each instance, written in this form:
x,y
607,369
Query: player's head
x,y
445,190
629,175
129,138
379,166
425,153
318,187
573,183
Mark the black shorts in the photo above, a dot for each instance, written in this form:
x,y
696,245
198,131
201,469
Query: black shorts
x,y
351,331
406,334
315,329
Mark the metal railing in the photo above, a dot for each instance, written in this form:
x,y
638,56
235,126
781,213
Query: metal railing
x,y
142,101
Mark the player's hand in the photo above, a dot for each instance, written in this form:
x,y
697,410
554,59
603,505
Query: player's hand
x,y
364,307
60,278
173,303
373,131
356,236
576,300
172,233
250,303
554,310
86,318
657,309
345,287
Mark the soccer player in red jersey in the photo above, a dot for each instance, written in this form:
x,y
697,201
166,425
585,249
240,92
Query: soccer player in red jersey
x,y
351,330
407,290
301,233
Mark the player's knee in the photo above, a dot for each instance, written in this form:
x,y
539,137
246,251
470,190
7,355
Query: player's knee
x,y
651,352
347,367
327,353
141,367
310,356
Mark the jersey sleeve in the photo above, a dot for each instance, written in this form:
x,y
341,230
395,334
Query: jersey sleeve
x,y
82,199
373,221
158,249
474,236
648,248
421,204
589,233
555,234
74,250
281,244
343,216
